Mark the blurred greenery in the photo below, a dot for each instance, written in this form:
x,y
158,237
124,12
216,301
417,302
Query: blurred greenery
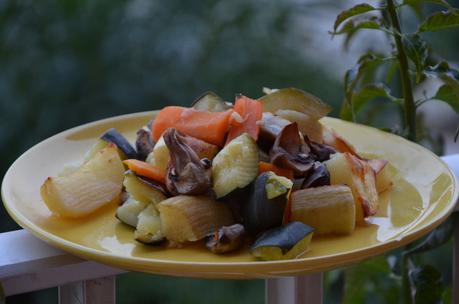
x,y
65,63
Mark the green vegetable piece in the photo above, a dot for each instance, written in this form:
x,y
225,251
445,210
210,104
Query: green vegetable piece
x,y
282,243
209,101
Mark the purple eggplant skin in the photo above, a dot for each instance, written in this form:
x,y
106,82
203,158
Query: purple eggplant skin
x,y
259,212
284,237
113,136
319,176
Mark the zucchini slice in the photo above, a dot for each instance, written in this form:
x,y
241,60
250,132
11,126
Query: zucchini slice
x,y
235,166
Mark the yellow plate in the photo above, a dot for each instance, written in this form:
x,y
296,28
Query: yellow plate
x,y
422,198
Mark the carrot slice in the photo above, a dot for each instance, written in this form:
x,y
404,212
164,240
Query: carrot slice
x,y
210,127
145,169
264,166
250,111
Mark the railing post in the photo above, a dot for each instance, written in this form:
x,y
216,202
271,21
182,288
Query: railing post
x,y
102,290
307,289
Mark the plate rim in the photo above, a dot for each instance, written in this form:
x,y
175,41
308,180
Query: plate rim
x,y
110,258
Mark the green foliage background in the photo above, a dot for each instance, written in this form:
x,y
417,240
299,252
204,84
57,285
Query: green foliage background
x,y
64,63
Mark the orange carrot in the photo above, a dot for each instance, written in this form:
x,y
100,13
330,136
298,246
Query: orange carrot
x,y
210,127
250,111
264,167
145,169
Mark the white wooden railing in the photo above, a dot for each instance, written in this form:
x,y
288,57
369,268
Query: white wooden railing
x,y
29,264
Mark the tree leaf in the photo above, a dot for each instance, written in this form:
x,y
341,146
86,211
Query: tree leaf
x,y
354,25
440,20
450,95
436,237
360,275
363,96
419,2
417,50
353,11
426,285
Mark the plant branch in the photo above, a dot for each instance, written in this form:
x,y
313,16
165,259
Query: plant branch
x,y
409,104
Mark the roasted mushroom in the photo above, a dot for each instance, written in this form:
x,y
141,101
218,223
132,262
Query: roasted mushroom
x,y
225,239
186,173
144,143
289,151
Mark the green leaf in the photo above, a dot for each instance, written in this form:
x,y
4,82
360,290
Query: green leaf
x,y
440,20
450,95
363,96
353,11
358,278
436,237
419,2
358,24
426,285
417,50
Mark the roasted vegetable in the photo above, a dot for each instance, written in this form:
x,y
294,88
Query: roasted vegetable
x,y
142,190
225,239
144,144
297,100
385,174
321,152
160,155
95,184
261,213
129,211
318,176
210,127
270,128
307,125
328,209
250,112
265,167
282,243
235,166
334,140
187,174
209,101
120,141
345,168
289,152
145,169
148,229
191,218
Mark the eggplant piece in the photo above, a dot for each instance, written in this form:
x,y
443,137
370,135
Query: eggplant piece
x,y
148,228
261,213
113,136
282,243
225,239
129,211
318,177
321,152
290,152
209,101
144,143
186,174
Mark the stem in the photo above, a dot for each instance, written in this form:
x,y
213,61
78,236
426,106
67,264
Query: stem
x,y
409,105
